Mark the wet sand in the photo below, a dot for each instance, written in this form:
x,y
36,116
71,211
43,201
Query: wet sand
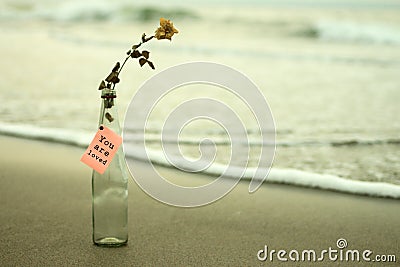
x,y
45,219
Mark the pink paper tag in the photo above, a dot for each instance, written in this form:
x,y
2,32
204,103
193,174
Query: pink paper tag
x,y
102,149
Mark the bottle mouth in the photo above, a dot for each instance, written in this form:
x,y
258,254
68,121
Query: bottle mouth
x,y
108,93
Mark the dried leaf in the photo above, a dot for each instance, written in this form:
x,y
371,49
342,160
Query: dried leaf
x,y
113,77
109,103
135,46
146,54
129,52
135,54
110,76
143,37
116,67
151,64
102,85
142,61
109,117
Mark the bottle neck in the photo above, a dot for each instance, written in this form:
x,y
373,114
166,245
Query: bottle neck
x,y
109,112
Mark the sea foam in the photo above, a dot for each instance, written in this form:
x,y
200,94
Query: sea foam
x,y
283,176
349,31
90,10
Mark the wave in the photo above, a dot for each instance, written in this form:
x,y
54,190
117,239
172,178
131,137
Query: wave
x,y
348,31
346,142
283,176
57,135
91,10
124,10
219,138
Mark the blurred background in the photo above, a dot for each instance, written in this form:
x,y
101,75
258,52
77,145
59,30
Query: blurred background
x,y
329,70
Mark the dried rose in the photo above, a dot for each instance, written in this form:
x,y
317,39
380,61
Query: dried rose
x,y
166,30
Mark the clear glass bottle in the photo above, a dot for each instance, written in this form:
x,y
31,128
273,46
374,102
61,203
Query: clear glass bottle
x,y
110,189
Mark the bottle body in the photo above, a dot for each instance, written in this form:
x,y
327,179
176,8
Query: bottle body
x,y
110,189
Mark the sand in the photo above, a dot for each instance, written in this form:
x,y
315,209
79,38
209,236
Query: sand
x,y
45,219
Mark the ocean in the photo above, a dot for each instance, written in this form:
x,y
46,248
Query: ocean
x,y
329,71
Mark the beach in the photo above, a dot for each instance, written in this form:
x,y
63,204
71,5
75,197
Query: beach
x,y
328,72
45,219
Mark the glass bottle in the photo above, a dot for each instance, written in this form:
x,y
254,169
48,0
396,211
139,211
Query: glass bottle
x,y
110,189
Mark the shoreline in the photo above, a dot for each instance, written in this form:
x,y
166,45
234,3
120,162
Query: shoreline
x,y
283,176
46,218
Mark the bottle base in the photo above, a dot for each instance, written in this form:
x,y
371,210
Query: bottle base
x,y
110,242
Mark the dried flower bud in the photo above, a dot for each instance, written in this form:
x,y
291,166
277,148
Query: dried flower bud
x,y
166,30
